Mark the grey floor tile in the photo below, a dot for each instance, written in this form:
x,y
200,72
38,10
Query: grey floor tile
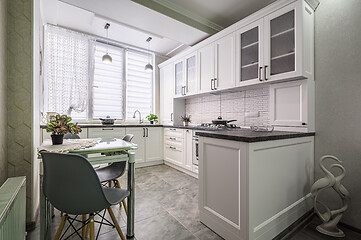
x,y
162,226
188,217
207,234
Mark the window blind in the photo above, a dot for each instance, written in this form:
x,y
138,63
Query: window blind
x,y
139,84
107,95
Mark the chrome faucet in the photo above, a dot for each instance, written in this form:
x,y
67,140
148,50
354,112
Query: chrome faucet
x,y
140,116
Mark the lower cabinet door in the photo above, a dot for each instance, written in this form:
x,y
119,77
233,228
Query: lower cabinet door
x,y
188,135
154,144
139,139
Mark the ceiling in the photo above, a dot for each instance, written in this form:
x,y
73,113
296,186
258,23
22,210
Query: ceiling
x,y
174,25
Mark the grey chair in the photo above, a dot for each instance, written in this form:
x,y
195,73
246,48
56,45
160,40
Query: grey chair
x,y
72,186
113,171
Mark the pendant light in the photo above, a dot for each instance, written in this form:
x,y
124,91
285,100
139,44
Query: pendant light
x,y
148,67
107,58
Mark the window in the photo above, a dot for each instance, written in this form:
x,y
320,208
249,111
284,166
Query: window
x,y
107,95
139,85
76,79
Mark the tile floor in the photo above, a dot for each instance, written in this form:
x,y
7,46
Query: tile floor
x,y
166,207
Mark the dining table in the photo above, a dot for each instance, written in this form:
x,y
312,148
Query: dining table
x,y
98,151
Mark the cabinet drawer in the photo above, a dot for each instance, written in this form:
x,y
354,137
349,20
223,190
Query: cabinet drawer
x,y
173,132
173,154
106,132
175,139
178,145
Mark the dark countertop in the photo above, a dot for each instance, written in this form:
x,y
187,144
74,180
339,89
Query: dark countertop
x,y
94,125
247,135
187,127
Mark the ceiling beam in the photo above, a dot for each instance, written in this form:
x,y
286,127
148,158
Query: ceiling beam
x,y
174,11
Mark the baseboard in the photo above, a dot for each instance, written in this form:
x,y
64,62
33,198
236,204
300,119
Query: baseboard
x,y
349,227
190,173
297,226
280,222
148,164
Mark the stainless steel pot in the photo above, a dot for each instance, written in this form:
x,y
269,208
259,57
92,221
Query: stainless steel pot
x,y
107,120
220,121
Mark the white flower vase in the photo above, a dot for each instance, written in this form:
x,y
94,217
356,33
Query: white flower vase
x,y
185,124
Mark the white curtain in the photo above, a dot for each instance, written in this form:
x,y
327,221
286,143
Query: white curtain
x,y
66,70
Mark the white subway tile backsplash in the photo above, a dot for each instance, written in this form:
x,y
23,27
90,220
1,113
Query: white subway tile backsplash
x,y
231,106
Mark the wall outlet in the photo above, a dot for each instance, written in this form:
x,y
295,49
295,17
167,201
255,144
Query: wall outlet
x,y
252,114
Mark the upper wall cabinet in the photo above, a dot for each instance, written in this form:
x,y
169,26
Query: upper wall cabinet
x,y
216,64
249,49
277,47
185,76
166,94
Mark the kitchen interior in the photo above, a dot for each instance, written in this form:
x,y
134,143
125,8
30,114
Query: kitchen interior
x,y
231,106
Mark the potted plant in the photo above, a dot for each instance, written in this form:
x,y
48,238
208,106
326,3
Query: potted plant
x,y
186,119
60,125
152,118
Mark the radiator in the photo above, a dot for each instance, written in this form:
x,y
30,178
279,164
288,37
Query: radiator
x,y
13,209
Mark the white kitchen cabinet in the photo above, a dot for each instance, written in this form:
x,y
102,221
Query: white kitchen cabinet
x,y
154,144
188,138
140,140
279,46
288,103
166,94
99,132
174,146
216,64
179,78
249,54
149,141
206,67
224,62
254,190
185,75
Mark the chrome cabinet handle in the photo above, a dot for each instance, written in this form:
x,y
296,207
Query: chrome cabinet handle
x,y
147,131
265,73
108,129
171,117
215,81
143,132
212,84
260,74
171,147
172,138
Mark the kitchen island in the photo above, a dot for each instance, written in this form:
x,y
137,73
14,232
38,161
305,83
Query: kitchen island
x,y
253,185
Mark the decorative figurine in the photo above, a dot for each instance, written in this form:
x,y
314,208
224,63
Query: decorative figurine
x,y
330,217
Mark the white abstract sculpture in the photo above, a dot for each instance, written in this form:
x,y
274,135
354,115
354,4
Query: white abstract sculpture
x,y
330,217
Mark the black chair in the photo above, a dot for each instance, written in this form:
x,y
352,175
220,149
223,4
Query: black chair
x,y
114,170
72,186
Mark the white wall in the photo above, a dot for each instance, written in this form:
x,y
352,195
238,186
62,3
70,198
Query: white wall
x,y
338,95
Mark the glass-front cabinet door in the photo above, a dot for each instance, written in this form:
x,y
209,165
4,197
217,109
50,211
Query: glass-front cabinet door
x,y
281,52
178,78
249,48
191,74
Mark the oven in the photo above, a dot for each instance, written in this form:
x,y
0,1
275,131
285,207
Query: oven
x,y
195,141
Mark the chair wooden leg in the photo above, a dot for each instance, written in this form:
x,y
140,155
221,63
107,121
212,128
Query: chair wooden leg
x,y
83,230
92,228
117,185
61,227
116,223
87,230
